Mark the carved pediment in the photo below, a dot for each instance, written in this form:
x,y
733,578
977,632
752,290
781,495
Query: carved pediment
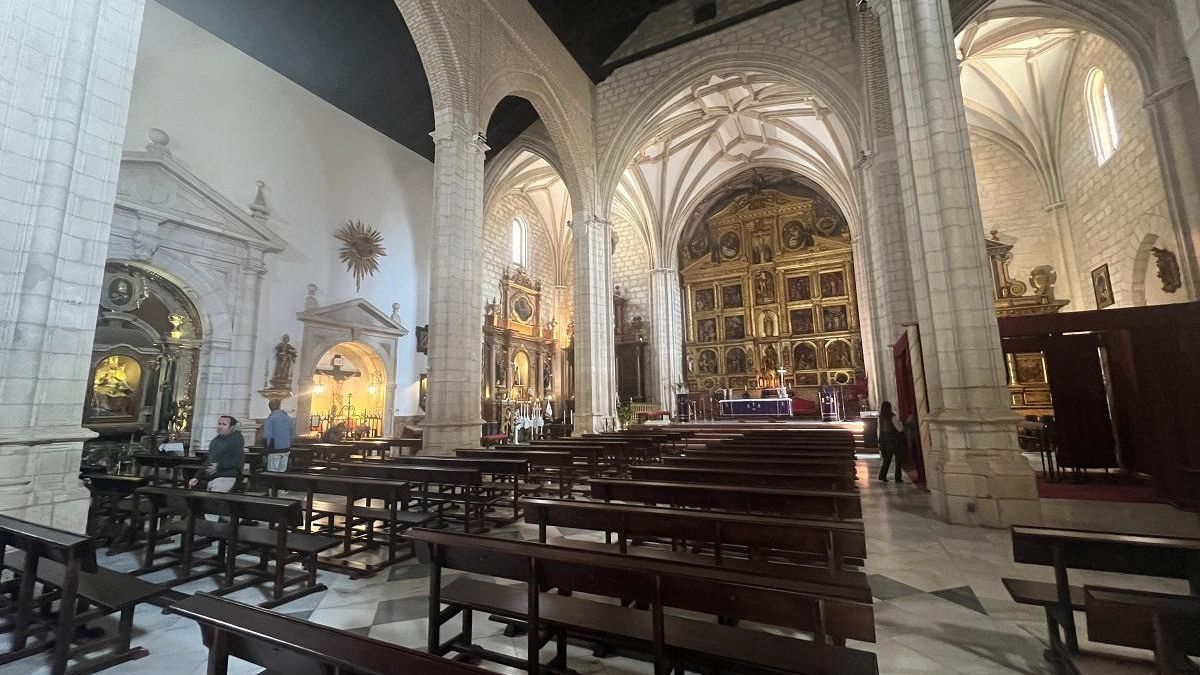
x,y
358,315
158,187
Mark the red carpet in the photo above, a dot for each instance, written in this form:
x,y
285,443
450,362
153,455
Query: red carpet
x,y
1111,488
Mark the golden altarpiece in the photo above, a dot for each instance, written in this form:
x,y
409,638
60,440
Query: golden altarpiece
x,y
518,350
769,286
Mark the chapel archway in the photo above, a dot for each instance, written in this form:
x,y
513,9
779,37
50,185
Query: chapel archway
x,y
348,389
146,357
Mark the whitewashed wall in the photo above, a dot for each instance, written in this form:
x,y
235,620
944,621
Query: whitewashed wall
x,y
233,121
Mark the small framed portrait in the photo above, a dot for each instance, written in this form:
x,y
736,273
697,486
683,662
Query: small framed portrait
x,y
802,321
731,296
799,288
1102,286
705,300
706,330
123,292
735,327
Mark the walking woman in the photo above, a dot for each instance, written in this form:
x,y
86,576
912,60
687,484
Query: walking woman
x,y
891,441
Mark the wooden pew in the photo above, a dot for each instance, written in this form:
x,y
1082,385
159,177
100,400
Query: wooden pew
x,y
284,644
788,464
555,466
779,501
809,480
64,563
835,544
442,487
772,453
159,461
1166,624
1063,549
830,614
278,544
114,514
509,477
393,495
589,460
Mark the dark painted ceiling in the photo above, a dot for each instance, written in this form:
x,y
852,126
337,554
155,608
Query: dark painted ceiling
x,y
360,57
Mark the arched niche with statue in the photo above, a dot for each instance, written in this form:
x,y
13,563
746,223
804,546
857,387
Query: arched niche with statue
x,y
367,340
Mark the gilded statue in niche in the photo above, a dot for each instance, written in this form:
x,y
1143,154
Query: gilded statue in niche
x,y
770,325
770,358
114,385
764,287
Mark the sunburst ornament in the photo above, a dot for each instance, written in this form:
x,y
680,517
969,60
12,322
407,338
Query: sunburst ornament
x,y
362,247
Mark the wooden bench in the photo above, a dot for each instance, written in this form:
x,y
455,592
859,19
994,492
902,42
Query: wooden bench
x,y
64,563
768,453
1063,549
284,644
744,498
834,544
788,464
114,514
509,478
810,480
158,461
390,512
830,614
436,486
1168,625
277,544
554,466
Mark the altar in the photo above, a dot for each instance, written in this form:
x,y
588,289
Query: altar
x,y
756,407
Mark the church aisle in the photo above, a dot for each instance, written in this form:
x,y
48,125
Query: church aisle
x,y
939,605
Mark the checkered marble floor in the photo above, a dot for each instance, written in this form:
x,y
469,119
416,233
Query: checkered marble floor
x,y
939,604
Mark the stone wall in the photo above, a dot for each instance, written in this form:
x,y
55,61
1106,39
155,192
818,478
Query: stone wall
x,y
497,242
1113,207
675,20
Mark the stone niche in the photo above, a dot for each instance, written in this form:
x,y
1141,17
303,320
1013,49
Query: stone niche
x,y
367,333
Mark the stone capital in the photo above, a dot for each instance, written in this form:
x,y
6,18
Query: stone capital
x,y
457,133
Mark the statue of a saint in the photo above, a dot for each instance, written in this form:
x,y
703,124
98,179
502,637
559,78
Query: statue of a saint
x,y
285,358
111,387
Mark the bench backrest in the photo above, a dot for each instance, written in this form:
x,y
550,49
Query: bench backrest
x,y
779,501
51,543
1131,618
197,502
808,479
762,463
505,467
106,483
360,488
286,644
835,611
416,474
1171,557
840,539
536,458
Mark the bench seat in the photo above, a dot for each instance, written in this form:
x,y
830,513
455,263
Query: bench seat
x,y
300,542
112,591
691,639
1040,593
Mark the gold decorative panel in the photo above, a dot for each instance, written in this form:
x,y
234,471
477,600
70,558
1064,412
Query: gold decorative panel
x,y
769,284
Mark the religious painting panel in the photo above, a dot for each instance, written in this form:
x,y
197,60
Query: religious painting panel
x,y
836,318
707,363
802,321
797,235
1030,368
838,355
764,287
807,379
804,356
698,247
704,300
799,288
736,361
706,330
735,327
522,309
833,284
1102,287
731,296
729,246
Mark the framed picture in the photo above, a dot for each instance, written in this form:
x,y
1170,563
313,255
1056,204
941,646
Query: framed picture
x,y
731,296
705,300
1102,286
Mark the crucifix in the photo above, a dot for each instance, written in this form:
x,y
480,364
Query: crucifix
x,y
338,376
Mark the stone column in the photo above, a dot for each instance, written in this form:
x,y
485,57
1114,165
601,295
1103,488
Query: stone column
x,y
456,308
1068,261
594,357
976,473
666,334
65,75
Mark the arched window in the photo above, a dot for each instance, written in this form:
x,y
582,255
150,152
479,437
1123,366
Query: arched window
x,y
1102,116
520,242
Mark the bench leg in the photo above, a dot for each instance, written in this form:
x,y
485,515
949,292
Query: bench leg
x,y
65,631
218,654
